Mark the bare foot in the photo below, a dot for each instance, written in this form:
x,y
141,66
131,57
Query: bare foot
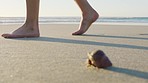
x,y
86,21
22,32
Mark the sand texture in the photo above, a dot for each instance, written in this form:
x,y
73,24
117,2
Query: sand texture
x,y
59,57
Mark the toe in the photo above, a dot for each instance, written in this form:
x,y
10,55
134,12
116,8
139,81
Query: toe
x,y
5,35
77,33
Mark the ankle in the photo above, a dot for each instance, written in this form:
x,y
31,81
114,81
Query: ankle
x,y
31,24
90,16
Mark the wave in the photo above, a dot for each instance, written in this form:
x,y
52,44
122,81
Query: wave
x,y
42,20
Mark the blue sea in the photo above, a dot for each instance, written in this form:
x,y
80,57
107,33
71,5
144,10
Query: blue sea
x,y
75,20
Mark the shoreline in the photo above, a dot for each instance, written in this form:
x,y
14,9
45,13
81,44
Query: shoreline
x,y
76,20
107,23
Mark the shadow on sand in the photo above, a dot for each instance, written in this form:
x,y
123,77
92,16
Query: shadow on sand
x,y
130,72
108,36
83,42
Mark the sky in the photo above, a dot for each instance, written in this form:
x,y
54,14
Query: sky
x,y
51,8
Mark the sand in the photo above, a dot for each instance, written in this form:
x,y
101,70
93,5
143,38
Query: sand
x,y
59,57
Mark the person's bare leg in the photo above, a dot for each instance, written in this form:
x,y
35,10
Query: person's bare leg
x,y
30,27
89,15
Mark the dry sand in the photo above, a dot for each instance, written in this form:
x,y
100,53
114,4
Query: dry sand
x,y
59,57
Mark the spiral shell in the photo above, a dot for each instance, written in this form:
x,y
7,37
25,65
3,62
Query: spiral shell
x,y
98,59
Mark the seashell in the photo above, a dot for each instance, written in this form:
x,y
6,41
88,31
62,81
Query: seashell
x,y
98,59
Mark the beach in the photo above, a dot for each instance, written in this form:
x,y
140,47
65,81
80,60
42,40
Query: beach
x,y
59,57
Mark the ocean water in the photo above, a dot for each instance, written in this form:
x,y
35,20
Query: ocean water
x,y
75,20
